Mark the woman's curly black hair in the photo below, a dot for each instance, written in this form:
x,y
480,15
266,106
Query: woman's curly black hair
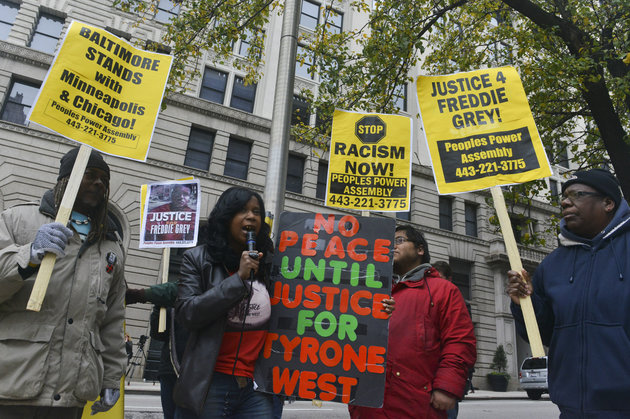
x,y
228,205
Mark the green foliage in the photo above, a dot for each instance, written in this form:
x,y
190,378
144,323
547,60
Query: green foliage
x,y
499,360
570,55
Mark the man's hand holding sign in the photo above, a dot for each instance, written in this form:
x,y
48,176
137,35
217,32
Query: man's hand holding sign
x,y
480,134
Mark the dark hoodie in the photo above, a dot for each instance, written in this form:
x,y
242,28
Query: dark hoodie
x,y
582,304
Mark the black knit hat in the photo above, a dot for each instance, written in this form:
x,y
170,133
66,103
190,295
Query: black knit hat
x,y
67,162
601,180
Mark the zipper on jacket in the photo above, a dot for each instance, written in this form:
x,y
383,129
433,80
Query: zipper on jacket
x,y
585,294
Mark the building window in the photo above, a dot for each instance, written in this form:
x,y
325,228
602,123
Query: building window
x,y
237,159
562,158
322,180
8,12
300,111
213,85
246,44
523,229
167,10
309,17
462,270
446,213
295,173
199,150
334,21
404,215
554,190
557,154
243,95
47,33
19,102
324,124
400,98
304,62
470,215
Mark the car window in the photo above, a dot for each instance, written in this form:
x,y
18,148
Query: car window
x,y
534,364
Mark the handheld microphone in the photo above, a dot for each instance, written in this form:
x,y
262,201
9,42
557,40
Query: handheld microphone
x,y
251,248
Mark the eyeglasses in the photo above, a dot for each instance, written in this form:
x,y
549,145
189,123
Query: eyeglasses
x,y
578,195
400,240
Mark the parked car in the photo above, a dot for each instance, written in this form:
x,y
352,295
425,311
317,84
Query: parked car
x,y
533,377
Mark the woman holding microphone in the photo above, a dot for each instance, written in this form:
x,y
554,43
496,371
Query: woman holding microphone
x,y
223,300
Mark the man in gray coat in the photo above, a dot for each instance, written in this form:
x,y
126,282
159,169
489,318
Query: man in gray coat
x,y
72,350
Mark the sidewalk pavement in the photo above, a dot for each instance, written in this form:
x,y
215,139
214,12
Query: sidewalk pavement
x,y
149,393
150,388
496,395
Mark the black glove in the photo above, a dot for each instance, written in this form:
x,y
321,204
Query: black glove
x,y
133,296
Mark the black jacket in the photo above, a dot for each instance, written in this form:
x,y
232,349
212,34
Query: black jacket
x,y
205,294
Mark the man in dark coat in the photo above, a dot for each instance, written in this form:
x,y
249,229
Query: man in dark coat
x,y
580,294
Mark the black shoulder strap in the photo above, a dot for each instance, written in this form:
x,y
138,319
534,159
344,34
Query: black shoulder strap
x,y
172,343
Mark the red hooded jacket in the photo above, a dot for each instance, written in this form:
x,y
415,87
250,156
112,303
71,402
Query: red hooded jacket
x,y
431,345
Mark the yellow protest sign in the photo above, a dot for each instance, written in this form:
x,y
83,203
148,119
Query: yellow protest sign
x,y
370,162
480,130
103,92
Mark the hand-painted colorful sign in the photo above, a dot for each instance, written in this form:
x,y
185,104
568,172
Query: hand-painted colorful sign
x,y
103,92
480,130
328,332
370,162
171,217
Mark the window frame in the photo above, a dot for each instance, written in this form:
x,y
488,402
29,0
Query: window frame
x,y
4,21
328,16
41,37
398,98
295,173
461,269
471,223
163,11
299,103
207,90
322,180
236,96
8,97
308,16
445,219
302,70
234,160
194,148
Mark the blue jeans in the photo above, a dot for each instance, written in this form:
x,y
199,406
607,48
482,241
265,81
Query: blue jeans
x,y
226,400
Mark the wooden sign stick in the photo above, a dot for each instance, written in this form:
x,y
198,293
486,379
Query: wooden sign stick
x,y
63,215
166,255
515,263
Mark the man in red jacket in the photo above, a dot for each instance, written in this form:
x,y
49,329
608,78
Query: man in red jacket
x,y
431,338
